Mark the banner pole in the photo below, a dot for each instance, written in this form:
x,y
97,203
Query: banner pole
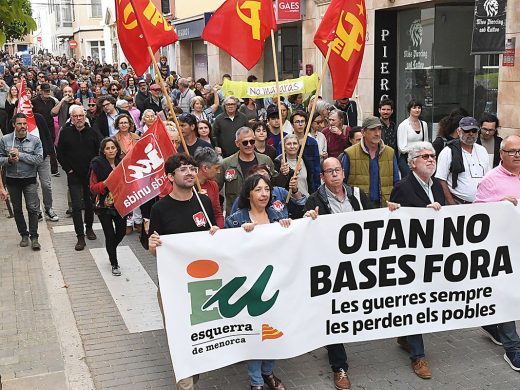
x,y
275,61
170,106
309,121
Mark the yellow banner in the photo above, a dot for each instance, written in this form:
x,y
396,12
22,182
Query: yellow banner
x,y
243,89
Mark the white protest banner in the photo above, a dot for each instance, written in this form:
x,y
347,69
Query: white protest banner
x,y
276,293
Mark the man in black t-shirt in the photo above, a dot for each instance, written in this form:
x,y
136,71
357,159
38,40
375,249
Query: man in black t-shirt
x,y
180,212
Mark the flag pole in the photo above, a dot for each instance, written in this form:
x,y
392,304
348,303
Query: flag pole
x,y
309,121
278,94
170,106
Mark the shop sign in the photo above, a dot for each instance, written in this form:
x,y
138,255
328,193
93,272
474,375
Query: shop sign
x,y
489,27
288,11
508,59
193,28
385,57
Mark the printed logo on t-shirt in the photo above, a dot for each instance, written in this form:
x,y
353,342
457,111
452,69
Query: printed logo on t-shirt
x,y
199,219
230,174
277,205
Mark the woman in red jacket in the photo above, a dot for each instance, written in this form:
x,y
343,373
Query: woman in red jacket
x,y
113,224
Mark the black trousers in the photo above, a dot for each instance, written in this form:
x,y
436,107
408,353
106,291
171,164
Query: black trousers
x,y
79,190
337,357
114,228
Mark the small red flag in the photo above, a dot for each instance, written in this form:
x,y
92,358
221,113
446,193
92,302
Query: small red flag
x,y
344,27
140,176
139,25
25,106
240,27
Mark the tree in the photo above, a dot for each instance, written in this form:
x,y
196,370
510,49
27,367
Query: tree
x,y
15,20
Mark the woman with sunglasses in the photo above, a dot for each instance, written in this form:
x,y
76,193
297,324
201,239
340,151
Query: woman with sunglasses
x,y
254,209
92,111
409,132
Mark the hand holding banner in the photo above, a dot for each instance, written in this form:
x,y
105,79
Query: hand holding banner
x,y
140,176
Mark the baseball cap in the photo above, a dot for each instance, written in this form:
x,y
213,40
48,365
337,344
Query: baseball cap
x,y
371,122
468,123
272,110
142,81
155,87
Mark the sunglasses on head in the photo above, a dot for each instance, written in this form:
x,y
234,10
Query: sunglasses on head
x,y
248,142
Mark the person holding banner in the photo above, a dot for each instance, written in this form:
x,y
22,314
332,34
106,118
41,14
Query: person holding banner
x,y
499,184
254,209
182,211
113,224
419,189
334,197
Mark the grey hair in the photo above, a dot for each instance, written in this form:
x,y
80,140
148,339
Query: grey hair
x,y
503,142
206,156
339,114
416,148
144,113
74,106
322,105
289,137
226,100
243,129
184,82
120,103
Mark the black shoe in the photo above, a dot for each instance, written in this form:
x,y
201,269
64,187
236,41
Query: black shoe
x,y
35,245
90,234
24,242
55,174
81,243
40,217
492,333
68,212
116,271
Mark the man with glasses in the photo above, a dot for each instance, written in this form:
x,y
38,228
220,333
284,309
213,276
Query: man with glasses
x,y
105,120
462,164
333,197
180,212
235,168
156,101
371,165
114,89
227,124
503,183
77,146
488,137
419,189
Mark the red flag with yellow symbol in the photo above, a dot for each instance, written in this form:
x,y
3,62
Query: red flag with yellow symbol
x,y
139,25
25,106
344,27
240,27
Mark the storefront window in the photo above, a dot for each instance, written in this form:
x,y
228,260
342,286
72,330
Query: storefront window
x,y
435,65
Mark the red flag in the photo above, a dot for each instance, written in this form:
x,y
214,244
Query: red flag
x,y
25,106
140,176
139,25
240,27
344,27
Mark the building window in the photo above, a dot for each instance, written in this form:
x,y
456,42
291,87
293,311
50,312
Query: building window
x,y
66,13
165,7
95,9
97,50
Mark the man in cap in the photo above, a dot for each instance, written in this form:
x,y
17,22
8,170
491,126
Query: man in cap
x,y
155,101
371,165
141,95
462,164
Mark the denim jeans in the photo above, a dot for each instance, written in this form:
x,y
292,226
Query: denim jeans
x,y
79,189
44,174
32,203
257,368
114,229
509,337
337,357
416,346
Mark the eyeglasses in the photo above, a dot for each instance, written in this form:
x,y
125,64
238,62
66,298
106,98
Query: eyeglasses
x,y
106,104
474,131
512,153
426,156
188,168
332,171
114,89
248,142
302,122
487,130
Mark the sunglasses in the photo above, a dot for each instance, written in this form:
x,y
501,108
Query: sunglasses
x,y
92,104
426,156
474,131
248,142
